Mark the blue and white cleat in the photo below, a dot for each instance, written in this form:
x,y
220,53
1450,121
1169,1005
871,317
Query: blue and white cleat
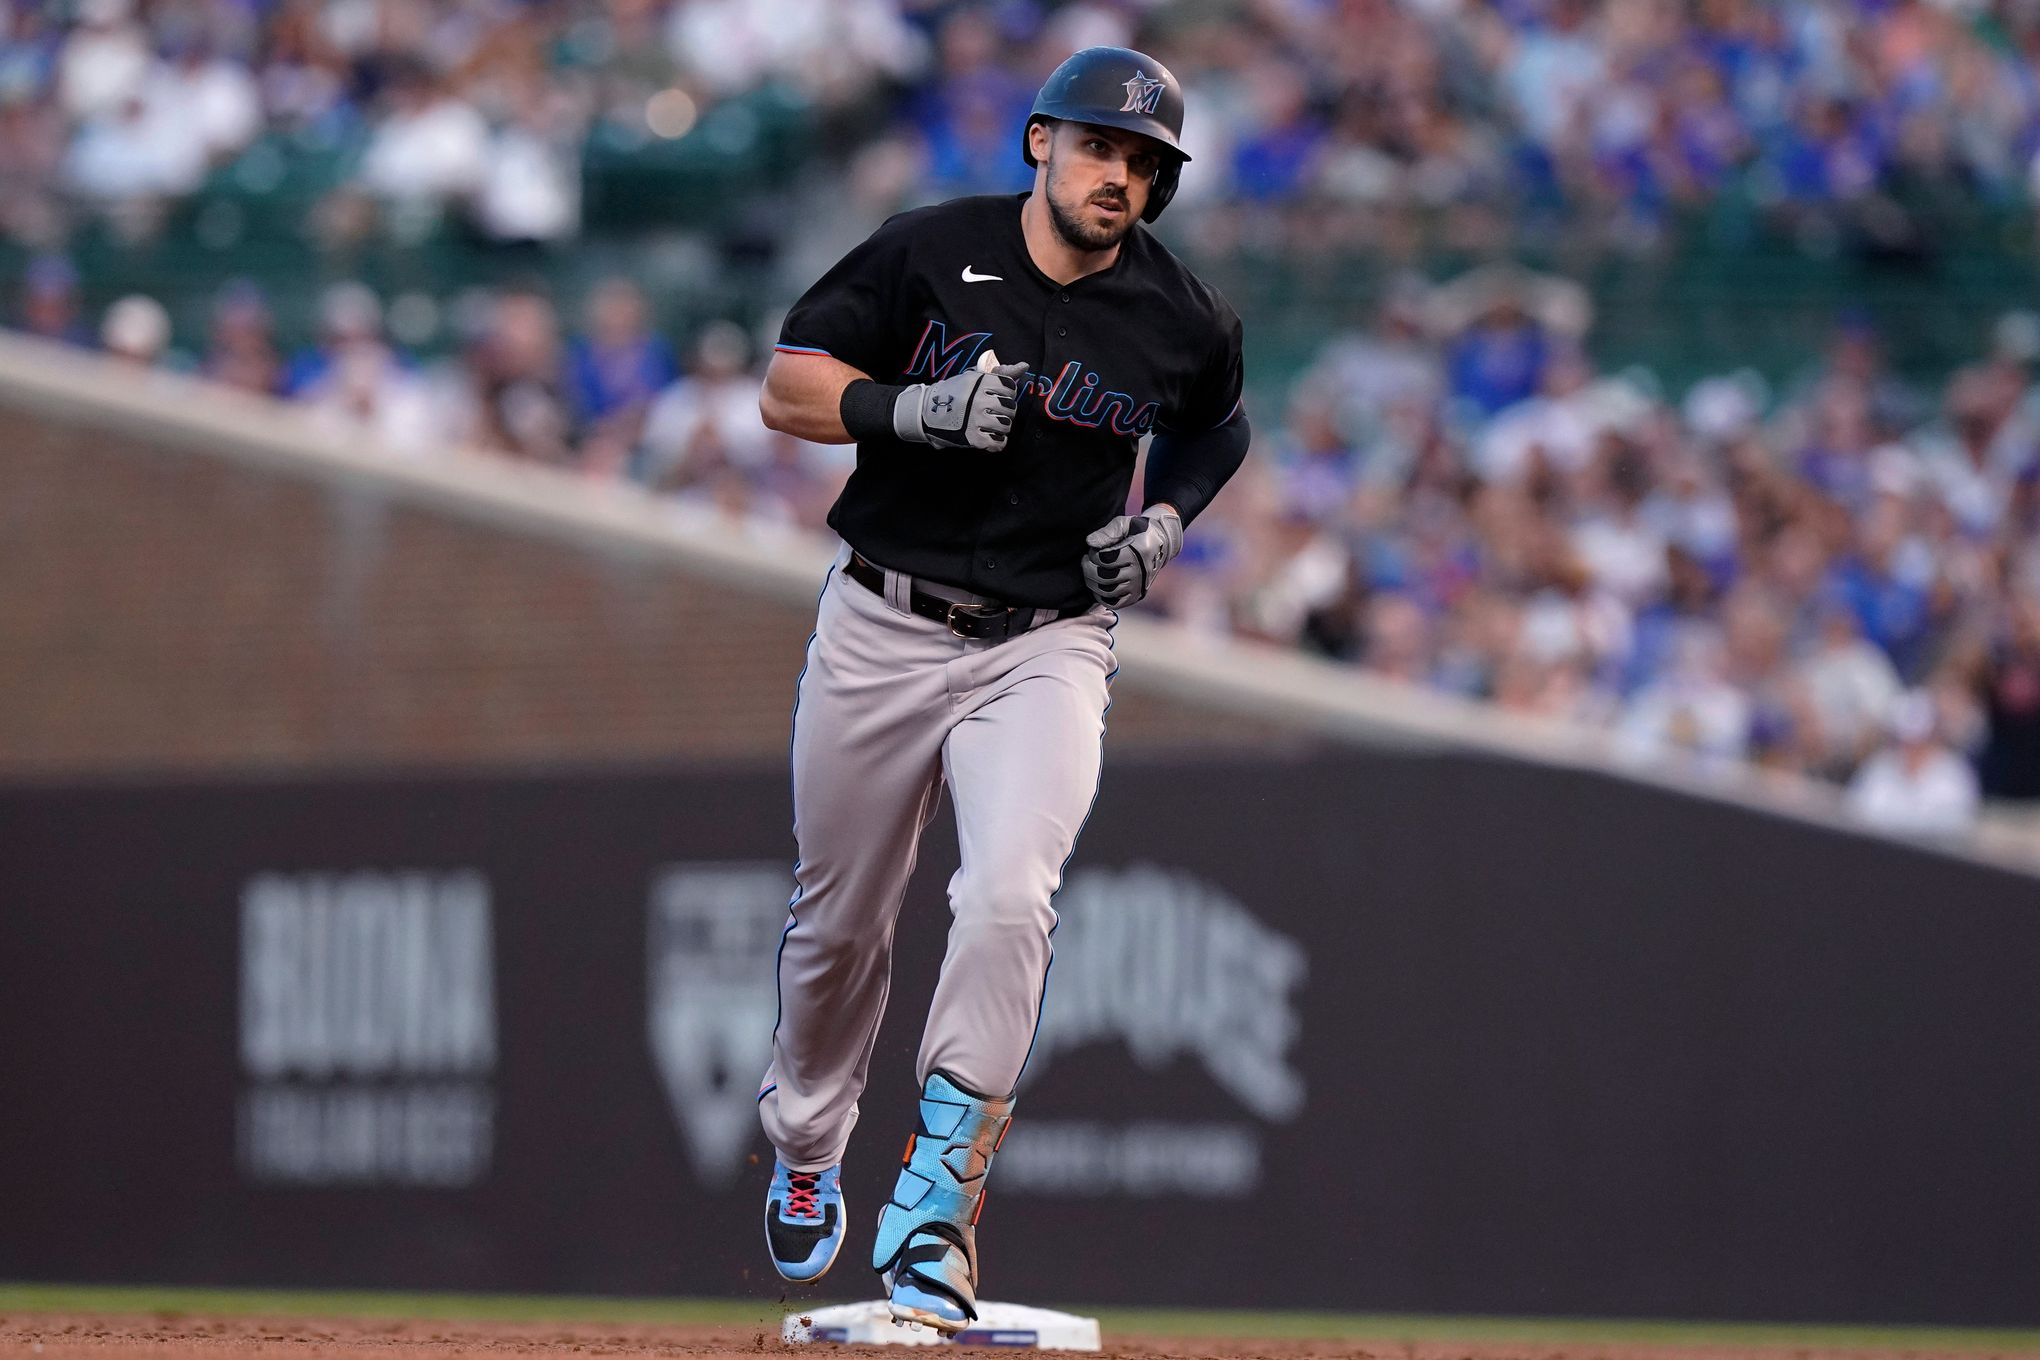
x,y
927,1236
804,1221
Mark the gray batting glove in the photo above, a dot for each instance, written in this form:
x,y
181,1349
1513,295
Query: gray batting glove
x,y
1126,554
972,410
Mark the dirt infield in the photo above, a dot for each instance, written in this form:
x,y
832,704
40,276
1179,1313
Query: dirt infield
x,y
175,1336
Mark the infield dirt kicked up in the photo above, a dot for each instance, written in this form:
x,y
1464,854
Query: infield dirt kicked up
x,y
176,1335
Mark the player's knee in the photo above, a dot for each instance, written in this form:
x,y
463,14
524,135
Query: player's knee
x,y
1005,906
821,927
834,935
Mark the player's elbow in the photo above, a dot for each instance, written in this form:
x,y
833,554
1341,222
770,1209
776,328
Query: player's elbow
x,y
791,408
802,396
774,410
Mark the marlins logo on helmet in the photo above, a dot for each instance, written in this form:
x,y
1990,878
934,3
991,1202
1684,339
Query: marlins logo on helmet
x,y
1142,93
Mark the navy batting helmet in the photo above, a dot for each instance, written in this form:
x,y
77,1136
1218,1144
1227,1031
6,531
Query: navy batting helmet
x,y
1119,87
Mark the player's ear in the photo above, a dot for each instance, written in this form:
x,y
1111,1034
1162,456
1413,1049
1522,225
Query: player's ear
x,y
1040,134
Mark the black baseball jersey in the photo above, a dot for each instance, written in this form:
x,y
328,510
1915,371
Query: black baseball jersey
x,y
1143,345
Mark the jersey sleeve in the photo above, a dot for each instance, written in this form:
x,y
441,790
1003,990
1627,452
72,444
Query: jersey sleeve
x,y
1214,394
851,313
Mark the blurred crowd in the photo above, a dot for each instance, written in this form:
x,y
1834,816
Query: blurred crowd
x,y
1488,116
1834,574
1480,124
475,109
600,392
1840,579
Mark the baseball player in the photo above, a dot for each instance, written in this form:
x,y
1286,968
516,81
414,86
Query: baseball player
x,y
997,361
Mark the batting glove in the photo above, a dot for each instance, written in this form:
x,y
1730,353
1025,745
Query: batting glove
x,y
1125,554
971,410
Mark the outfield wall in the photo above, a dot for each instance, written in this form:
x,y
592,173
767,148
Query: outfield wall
x,y
1365,1030
203,581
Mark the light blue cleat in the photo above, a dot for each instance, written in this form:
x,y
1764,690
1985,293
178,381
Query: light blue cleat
x,y
804,1221
927,1235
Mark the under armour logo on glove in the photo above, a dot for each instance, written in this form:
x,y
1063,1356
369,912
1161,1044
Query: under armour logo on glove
x,y
972,409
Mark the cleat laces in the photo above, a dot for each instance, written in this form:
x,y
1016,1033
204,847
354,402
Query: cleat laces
x,y
800,1195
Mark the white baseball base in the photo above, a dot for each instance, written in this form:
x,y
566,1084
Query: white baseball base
x,y
998,1324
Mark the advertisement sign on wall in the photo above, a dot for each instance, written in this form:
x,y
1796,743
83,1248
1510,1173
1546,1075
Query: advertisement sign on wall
x,y
1366,1031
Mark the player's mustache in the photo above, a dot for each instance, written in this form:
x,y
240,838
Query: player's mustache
x,y
1111,197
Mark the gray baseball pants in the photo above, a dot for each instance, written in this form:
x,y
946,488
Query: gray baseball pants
x,y
891,708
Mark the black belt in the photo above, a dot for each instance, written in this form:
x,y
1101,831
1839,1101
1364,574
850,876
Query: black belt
x,y
980,622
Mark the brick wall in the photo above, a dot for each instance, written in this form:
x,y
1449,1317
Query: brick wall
x,y
168,611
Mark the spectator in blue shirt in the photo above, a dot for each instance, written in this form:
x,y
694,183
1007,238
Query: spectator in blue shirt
x,y
1498,360
619,364
1276,157
967,114
49,302
1885,583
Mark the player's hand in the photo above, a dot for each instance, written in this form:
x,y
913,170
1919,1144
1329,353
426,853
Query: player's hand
x,y
972,409
1127,552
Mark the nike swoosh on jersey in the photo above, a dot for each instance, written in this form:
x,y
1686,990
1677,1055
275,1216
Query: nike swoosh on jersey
x,y
972,276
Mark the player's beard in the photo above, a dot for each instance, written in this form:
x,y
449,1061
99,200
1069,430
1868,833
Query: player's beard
x,y
1079,234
